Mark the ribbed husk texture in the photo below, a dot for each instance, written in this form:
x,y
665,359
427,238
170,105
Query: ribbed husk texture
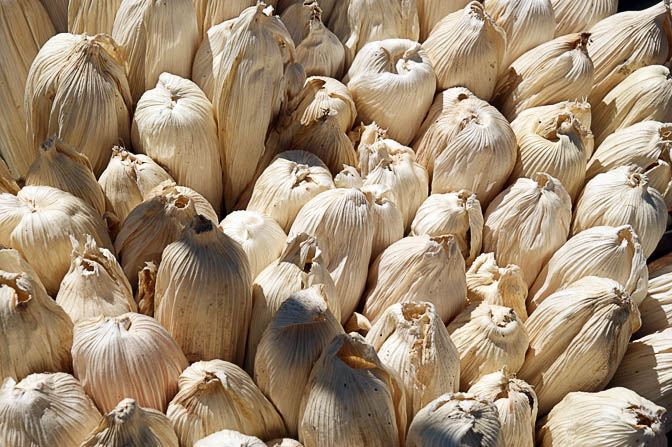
x,y
430,12
388,222
229,438
92,16
321,93
574,17
58,13
284,442
213,12
656,309
349,177
11,261
209,56
7,182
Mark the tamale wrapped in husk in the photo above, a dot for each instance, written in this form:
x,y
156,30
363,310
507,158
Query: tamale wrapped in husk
x,y
387,219
430,12
656,309
349,177
92,16
326,6
209,56
321,93
58,13
574,17
492,284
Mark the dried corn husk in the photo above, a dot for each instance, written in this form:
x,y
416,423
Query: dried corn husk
x,y
58,13
285,442
92,112
210,13
559,70
528,222
25,28
209,56
656,309
349,177
201,205
45,409
609,252
388,222
130,424
460,135
574,17
393,85
411,339
617,417
11,261
217,395
7,182
338,415
432,11
456,419
229,438
174,124
466,49
61,166
325,5
203,294
291,344
131,355
488,338
321,93
358,323
456,213
146,289
92,16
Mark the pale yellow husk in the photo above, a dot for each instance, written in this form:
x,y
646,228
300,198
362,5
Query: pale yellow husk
x,y
7,182
146,289
200,203
92,16
321,93
209,56
358,323
210,13
284,442
656,309
229,438
11,261
349,177
430,12
574,17
58,13
327,6
388,222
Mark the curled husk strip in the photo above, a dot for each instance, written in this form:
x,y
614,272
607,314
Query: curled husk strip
x,y
387,219
656,309
229,438
92,16
574,17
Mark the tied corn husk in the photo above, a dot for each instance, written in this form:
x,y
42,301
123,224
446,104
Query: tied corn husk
x,y
229,438
58,13
25,28
132,356
210,13
431,11
293,341
145,29
39,221
644,95
488,338
174,124
61,166
393,83
411,339
7,182
558,70
203,293
217,395
574,17
388,222
321,93
528,222
95,284
466,49
460,135
333,414
516,404
92,112
201,205
609,252
456,419
617,417
578,336
456,213
209,56
130,424
45,409
417,268
349,177
656,309
92,16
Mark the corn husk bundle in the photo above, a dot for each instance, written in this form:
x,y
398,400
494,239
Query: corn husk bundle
x,y
320,93
492,284
466,49
130,424
578,336
229,438
92,112
40,220
293,341
300,266
26,27
61,166
574,17
430,12
460,133
456,419
558,70
388,222
174,124
208,57
528,222
617,417
326,6
203,293
333,414
411,339
216,395
58,13
95,284
92,16
11,261
130,355
7,182
210,13
45,409
488,338
393,83
608,252
656,309
349,177
201,205
457,213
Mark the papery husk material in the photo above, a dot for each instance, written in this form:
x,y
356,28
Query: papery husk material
x,y
326,6
58,13
146,289
358,323
430,12
574,17
210,13
201,204
209,56
7,182
387,219
92,16
229,438
349,177
284,442
656,309
11,261
319,93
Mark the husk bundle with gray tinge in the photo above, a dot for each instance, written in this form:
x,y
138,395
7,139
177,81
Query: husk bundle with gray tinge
x,y
488,338
393,83
91,112
210,13
38,222
229,438
7,182
574,17
132,356
492,284
291,344
174,124
559,70
466,49
209,56
430,12
578,336
656,309
45,409
387,219
456,419
203,293
527,222
411,339
609,252
217,395
62,166
25,28
369,410
92,16
130,424
58,13
617,417
644,95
